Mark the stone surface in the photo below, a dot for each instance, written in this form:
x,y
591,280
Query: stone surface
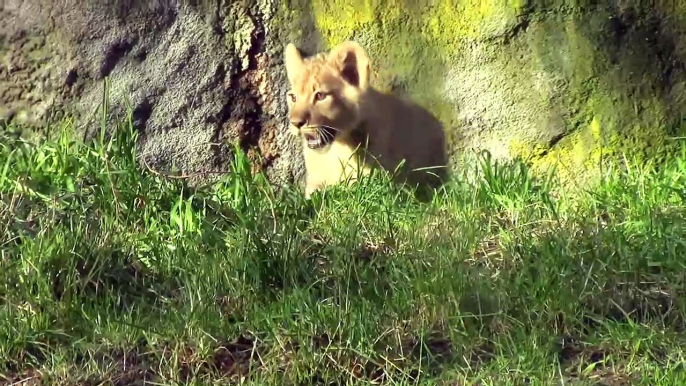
x,y
564,85
200,78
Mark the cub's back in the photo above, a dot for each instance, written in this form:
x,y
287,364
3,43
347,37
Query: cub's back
x,y
401,129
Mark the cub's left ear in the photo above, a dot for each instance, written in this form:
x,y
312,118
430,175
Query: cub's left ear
x,y
350,59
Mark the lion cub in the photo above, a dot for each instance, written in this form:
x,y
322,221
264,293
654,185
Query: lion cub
x,y
348,127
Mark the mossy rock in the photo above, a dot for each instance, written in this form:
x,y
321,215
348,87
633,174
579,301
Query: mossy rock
x,y
566,85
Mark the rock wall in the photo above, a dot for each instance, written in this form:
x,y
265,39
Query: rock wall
x,y
560,85
564,84
200,77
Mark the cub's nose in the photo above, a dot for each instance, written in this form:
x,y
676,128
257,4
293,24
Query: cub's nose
x,y
298,122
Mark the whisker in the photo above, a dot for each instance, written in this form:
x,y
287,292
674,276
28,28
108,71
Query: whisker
x,y
320,135
330,127
328,137
318,127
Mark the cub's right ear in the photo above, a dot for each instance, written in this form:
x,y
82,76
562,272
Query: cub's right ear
x,y
352,62
293,61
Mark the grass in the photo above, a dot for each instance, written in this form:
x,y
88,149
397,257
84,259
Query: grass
x,y
112,274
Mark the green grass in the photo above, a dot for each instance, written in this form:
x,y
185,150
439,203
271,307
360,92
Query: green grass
x,y
112,274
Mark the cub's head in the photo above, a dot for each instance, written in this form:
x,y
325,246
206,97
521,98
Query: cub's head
x,y
324,99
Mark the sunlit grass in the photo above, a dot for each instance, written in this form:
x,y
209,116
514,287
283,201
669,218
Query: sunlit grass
x,y
112,274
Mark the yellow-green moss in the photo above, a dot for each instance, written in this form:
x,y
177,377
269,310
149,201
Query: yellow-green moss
x,y
445,25
452,22
613,110
526,151
338,21
579,155
575,157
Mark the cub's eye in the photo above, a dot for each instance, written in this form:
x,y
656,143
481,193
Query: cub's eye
x,y
292,97
319,96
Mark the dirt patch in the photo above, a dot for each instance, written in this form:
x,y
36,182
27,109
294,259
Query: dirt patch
x,y
414,359
26,378
125,368
232,360
639,301
601,365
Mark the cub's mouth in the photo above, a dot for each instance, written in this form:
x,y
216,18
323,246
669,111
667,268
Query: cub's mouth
x,y
319,137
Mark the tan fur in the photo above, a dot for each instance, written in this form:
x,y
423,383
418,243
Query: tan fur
x,y
372,129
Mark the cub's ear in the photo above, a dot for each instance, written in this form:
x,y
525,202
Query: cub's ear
x,y
293,61
352,62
